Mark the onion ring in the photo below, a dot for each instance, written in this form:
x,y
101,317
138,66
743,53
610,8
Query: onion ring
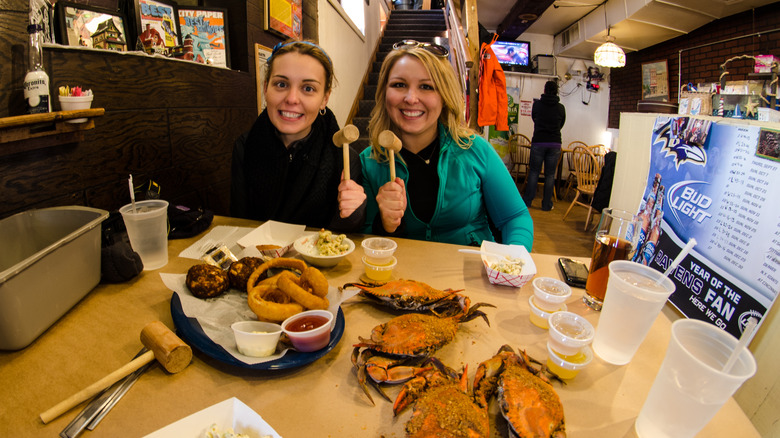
x,y
269,310
280,262
313,281
301,295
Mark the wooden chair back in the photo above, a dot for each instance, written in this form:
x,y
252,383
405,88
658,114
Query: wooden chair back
x,y
587,169
519,154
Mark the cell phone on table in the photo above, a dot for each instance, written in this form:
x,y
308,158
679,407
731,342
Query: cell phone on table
x,y
574,273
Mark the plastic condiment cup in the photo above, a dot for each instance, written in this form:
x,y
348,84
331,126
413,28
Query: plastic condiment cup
x,y
379,272
550,293
569,332
538,316
379,250
256,338
313,339
567,367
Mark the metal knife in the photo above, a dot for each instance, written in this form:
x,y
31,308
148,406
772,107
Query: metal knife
x,y
101,404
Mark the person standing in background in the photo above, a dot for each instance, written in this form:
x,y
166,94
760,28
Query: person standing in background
x,y
549,116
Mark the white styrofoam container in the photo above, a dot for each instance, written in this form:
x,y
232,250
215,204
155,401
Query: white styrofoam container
x,y
50,260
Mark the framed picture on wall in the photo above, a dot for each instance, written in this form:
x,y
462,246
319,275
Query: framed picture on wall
x,y
262,53
155,26
284,17
88,26
204,35
655,81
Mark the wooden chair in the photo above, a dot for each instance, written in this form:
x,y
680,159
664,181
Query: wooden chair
x,y
566,154
599,151
588,171
519,154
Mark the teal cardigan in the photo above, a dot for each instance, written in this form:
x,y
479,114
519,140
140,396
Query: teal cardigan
x,y
474,183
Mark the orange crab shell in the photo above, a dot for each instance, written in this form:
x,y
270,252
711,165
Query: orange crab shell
x,y
413,295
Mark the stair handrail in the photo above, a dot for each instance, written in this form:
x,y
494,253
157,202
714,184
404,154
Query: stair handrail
x,y
461,59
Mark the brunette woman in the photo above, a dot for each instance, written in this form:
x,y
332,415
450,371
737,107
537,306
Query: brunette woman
x,y
288,168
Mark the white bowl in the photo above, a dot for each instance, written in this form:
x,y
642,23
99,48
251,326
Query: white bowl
x,y
256,338
309,340
500,278
569,332
305,247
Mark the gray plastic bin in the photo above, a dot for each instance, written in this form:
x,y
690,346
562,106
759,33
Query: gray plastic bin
x,y
50,260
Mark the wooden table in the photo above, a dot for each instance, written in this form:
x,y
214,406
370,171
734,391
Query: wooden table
x,y
323,399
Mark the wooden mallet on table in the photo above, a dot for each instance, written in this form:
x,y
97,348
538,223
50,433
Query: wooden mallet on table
x,y
393,144
172,353
342,139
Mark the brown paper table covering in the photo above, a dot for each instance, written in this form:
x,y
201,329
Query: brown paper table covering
x,y
322,399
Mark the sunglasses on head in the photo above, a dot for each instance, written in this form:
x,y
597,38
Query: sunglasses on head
x,y
434,49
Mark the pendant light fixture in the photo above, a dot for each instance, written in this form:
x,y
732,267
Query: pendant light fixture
x,y
609,54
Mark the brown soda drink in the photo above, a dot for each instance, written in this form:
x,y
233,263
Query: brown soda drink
x,y
606,248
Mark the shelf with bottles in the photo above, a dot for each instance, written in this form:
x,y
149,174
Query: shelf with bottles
x,y
35,131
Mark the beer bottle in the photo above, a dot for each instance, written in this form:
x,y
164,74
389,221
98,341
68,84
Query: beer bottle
x,y
36,82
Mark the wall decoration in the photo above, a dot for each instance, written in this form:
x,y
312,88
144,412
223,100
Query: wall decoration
x,y
655,81
204,35
262,53
284,17
88,26
156,27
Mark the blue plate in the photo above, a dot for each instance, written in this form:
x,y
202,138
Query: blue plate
x,y
191,332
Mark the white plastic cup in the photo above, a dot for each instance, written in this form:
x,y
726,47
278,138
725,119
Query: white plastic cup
x,y
691,385
69,103
147,229
631,305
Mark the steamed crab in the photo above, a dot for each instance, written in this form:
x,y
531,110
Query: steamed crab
x,y
525,396
414,295
405,338
442,404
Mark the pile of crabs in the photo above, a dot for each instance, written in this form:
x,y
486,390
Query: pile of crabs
x,y
402,351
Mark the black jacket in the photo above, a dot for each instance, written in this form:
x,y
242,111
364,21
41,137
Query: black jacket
x,y
549,115
298,185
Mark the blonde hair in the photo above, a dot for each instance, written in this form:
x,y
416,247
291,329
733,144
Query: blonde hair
x,y
444,82
304,47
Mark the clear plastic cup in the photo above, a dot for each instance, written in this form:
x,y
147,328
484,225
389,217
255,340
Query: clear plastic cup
x,y
539,316
147,228
550,293
632,303
381,273
569,332
309,330
379,250
691,385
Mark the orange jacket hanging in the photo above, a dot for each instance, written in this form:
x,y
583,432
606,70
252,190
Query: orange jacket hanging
x,y
493,102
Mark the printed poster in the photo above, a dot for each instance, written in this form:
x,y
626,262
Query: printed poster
x,y
713,182
158,30
203,36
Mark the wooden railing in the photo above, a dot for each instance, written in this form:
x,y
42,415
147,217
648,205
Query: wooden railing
x,y
461,58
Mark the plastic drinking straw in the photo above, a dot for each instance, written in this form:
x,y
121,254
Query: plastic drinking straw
x,y
746,337
132,192
686,249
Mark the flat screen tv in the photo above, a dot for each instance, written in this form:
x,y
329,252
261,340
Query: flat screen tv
x,y
513,55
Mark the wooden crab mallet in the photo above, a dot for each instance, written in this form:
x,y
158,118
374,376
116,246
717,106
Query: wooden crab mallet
x,y
342,139
393,144
172,353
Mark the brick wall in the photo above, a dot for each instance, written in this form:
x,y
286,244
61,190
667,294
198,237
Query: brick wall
x,y
701,64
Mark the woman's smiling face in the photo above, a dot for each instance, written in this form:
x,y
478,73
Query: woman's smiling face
x,y
294,95
413,103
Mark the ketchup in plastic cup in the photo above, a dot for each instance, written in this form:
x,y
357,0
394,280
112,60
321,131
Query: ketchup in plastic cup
x,y
309,330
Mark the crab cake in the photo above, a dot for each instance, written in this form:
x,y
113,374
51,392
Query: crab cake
x,y
207,281
240,271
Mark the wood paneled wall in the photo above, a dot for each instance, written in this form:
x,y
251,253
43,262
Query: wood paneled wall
x,y
170,121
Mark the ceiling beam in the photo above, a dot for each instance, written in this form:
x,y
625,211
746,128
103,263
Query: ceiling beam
x,y
520,17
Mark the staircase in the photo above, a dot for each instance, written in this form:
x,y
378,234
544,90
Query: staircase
x,y
421,25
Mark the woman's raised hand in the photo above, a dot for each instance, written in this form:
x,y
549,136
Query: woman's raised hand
x,y
351,196
391,199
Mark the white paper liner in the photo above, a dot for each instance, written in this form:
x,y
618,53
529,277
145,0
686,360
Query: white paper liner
x,y
215,315
273,233
221,235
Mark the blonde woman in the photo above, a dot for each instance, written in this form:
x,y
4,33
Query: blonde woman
x,y
450,182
